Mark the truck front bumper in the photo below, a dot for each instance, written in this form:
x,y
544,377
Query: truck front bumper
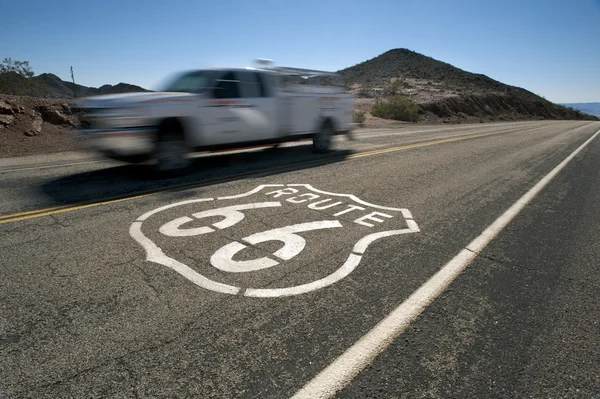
x,y
122,142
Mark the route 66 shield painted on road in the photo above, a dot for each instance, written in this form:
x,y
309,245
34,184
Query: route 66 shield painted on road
x,y
261,243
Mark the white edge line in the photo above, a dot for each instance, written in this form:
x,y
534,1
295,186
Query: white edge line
x,y
343,369
49,166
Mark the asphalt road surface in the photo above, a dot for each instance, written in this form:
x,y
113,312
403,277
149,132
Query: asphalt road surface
x,y
423,262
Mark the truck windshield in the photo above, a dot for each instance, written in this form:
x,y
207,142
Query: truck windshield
x,y
189,82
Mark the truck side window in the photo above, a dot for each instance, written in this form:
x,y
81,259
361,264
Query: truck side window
x,y
262,84
227,87
249,84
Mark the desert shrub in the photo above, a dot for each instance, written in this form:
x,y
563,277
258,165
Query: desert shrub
x,y
365,92
394,88
451,81
391,89
16,77
398,108
15,84
20,67
360,117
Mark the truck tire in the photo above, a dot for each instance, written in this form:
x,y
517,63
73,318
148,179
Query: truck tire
x,y
322,140
170,151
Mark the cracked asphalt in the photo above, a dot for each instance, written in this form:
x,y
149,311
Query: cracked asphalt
x,y
113,301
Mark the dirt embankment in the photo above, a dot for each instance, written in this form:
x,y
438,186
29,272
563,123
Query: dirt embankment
x,y
30,125
479,108
502,107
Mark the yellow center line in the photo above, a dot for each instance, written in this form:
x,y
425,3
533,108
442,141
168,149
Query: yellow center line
x,y
428,143
29,212
56,211
17,217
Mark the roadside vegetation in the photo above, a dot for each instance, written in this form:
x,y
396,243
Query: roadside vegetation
x,y
360,117
398,108
16,77
20,67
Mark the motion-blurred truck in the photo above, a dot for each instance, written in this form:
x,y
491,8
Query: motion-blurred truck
x,y
220,108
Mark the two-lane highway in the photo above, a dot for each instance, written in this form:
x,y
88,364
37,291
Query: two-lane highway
x,y
274,273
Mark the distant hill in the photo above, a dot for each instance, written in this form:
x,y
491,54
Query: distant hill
x,y
444,91
588,108
403,63
48,85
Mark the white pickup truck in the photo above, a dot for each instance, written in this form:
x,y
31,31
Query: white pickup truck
x,y
220,108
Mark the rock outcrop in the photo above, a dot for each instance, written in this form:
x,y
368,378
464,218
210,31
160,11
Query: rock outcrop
x,y
55,114
30,125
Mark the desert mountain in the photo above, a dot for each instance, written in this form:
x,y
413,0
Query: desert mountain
x,y
48,85
443,91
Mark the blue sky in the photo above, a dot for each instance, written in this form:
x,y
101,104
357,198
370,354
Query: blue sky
x,y
550,47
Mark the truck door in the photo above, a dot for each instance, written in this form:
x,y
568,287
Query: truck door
x,y
259,112
222,124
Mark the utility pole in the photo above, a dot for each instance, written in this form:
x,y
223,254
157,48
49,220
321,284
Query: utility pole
x,y
73,78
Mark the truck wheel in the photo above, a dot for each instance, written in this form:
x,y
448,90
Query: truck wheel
x,y
170,152
322,140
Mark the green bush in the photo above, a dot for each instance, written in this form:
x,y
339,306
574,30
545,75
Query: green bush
x,y
16,78
398,108
15,84
394,88
20,67
360,117
365,92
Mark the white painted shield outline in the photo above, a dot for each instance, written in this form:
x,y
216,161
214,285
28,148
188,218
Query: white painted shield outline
x,y
156,255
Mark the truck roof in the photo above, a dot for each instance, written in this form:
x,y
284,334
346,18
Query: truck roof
x,y
278,70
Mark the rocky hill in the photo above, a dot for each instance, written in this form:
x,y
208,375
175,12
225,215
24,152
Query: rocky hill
x,y
403,63
445,92
48,85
